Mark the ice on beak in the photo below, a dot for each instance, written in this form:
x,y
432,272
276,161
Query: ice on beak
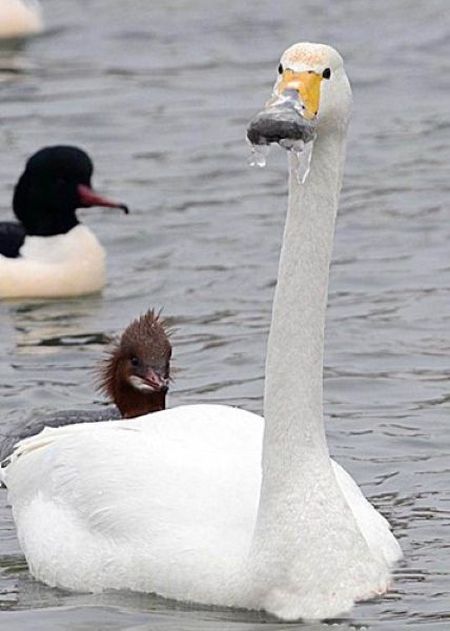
x,y
282,122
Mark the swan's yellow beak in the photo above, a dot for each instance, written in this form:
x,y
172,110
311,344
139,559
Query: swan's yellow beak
x,y
290,115
307,86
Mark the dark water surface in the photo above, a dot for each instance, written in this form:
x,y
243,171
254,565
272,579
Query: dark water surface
x,y
159,93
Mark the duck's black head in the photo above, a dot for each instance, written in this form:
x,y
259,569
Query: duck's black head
x,y
56,181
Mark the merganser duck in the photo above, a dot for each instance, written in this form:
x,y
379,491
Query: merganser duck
x,y
211,504
136,374
49,254
20,18
135,377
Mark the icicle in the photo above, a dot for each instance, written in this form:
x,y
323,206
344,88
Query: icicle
x,y
301,150
258,155
303,154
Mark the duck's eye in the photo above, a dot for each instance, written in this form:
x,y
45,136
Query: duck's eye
x,y
134,361
326,74
280,69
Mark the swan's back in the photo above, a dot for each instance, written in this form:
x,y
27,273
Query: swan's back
x,y
165,503
121,504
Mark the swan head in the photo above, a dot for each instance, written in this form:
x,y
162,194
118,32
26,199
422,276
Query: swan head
x,y
55,183
311,95
136,373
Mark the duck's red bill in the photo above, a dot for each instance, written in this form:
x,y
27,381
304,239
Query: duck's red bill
x,y
89,198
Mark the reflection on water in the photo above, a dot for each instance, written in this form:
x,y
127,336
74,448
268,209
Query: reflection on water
x,y
160,95
38,329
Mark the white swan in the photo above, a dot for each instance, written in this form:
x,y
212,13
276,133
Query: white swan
x,y
177,503
20,18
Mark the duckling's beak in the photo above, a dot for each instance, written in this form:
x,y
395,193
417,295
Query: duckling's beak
x,y
155,380
89,198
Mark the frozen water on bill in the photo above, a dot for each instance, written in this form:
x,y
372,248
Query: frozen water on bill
x,y
302,156
258,155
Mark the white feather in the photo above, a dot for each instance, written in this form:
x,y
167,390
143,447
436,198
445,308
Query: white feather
x,y
71,264
166,503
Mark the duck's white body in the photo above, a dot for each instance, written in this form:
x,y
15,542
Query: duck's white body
x,y
20,18
203,503
70,264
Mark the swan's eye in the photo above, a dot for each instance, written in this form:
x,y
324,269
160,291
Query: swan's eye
x,y
280,69
134,362
326,74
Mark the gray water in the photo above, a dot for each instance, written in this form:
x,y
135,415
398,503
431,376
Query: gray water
x,y
159,93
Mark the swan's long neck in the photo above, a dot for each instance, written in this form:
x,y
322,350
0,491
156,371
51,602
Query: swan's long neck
x,y
293,409
295,454
297,477
307,545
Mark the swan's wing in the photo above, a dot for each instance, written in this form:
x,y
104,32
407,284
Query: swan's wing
x,y
35,425
374,527
97,499
131,457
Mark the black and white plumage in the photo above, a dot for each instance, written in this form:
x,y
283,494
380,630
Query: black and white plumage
x,y
47,253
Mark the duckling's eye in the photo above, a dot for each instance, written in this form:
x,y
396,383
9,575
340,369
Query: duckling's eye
x,y
326,74
134,361
280,69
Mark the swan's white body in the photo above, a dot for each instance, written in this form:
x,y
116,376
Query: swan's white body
x,y
71,264
87,520
20,18
204,503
